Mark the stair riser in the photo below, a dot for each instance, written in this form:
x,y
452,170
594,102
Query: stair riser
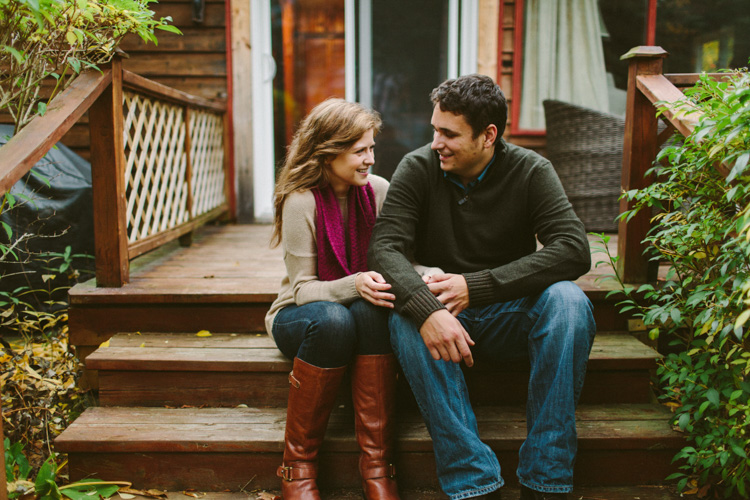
x,y
92,325
175,389
248,471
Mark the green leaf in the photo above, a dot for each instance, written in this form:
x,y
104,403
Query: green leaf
x,y
39,176
45,481
713,396
739,451
19,57
8,229
170,28
41,108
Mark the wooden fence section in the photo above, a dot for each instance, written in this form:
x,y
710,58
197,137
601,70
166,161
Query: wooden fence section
x,y
646,87
161,173
158,161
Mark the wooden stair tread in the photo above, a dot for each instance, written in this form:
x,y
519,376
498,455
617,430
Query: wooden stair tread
x,y
214,430
257,352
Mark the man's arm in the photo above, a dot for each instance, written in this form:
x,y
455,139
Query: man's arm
x,y
392,240
565,254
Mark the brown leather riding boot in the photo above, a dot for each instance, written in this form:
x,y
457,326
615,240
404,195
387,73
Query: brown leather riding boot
x,y
312,393
373,395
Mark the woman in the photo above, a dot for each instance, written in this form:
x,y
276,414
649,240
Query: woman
x,y
331,311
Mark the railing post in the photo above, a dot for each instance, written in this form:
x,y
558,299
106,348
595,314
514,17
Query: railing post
x,y
639,151
108,183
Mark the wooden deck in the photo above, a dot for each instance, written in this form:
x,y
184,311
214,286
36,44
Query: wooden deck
x,y
234,264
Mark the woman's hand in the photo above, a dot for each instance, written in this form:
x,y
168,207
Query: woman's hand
x,y
372,287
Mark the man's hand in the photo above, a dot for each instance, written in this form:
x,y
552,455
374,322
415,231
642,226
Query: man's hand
x,y
451,290
372,287
446,338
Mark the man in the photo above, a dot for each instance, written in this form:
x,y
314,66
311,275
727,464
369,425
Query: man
x,y
473,206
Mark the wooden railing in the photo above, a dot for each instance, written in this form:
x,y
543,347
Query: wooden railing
x,y
158,161
647,86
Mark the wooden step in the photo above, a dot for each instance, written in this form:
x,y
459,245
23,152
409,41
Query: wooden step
x,y
168,369
215,449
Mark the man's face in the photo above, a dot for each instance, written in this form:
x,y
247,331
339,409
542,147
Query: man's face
x,y
460,153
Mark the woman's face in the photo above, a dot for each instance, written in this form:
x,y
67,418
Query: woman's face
x,y
352,167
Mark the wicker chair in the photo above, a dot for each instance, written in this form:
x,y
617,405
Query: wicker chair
x,y
585,147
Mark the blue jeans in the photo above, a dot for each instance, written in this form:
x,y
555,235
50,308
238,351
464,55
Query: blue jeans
x,y
328,334
555,330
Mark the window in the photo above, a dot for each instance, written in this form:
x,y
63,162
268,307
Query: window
x,y
570,49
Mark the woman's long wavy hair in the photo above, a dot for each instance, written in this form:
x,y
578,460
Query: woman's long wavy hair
x,y
331,128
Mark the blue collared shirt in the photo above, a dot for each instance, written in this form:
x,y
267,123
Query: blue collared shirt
x,y
455,180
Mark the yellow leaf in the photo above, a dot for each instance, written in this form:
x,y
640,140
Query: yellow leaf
x,y
104,344
142,345
203,333
742,318
71,38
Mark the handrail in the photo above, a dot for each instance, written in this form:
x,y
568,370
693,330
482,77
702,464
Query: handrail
x,y
153,147
155,89
657,88
648,87
30,145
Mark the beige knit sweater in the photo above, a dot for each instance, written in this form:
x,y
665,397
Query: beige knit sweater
x,y
298,242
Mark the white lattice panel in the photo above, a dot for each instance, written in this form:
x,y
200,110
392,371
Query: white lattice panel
x,y
207,159
155,166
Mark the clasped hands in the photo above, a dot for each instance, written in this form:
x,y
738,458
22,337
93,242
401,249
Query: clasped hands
x,y
442,333
372,287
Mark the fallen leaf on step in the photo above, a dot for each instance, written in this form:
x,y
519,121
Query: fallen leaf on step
x,y
143,344
203,333
194,494
104,344
125,496
266,495
149,493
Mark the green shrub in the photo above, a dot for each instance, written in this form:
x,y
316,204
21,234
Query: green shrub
x,y
58,39
701,231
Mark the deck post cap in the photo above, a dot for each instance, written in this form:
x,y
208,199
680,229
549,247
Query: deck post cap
x,y
645,51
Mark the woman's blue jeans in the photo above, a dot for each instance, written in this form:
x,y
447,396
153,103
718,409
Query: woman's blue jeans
x,y
329,335
554,330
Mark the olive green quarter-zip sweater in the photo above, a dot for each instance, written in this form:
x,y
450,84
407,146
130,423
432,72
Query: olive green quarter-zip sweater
x,y
488,233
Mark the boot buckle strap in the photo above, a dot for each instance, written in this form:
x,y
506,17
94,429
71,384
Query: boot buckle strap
x,y
293,380
385,470
292,473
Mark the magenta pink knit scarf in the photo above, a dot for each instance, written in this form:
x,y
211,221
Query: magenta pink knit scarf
x,y
336,257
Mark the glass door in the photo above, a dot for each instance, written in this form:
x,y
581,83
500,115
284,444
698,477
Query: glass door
x,y
405,56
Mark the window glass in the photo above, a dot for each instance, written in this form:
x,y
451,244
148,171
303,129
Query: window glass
x,y
703,36
563,58
409,59
623,27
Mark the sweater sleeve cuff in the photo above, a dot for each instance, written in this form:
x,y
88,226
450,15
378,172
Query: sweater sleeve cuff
x,y
421,305
481,288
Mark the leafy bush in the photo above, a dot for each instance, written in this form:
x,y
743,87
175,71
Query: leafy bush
x,y
58,39
44,487
702,231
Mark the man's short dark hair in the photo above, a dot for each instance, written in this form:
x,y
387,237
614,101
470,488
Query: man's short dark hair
x,y
477,97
